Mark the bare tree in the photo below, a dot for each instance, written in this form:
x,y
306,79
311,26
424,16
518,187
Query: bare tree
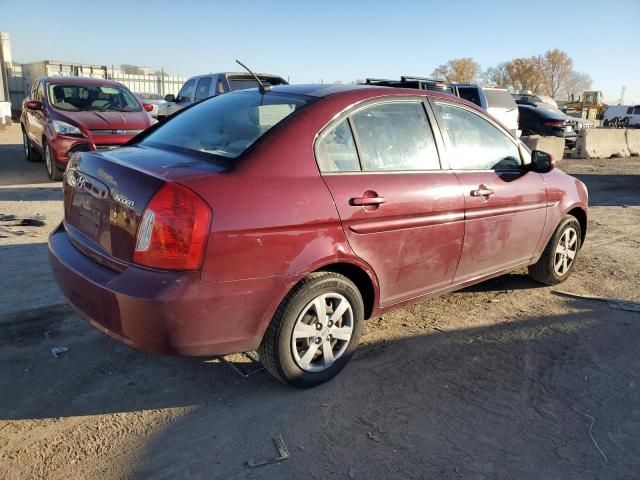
x,y
558,67
131,69
575,84
498,76
459,70
526,73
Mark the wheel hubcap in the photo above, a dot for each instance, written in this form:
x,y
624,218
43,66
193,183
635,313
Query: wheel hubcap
x,y
322,332
565,252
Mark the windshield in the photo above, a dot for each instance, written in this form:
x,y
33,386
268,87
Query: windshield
x,y
225,125
82,98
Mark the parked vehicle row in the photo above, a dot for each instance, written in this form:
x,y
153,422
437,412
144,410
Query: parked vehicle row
x,y
280,219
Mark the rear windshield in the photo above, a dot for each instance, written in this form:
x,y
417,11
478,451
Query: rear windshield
x,y
245,83
470,94
499,99
227,125
74,98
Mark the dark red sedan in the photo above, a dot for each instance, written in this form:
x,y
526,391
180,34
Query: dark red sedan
x,y
64,115
281,220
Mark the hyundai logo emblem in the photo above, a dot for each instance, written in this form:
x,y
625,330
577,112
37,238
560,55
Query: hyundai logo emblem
x,y
117,132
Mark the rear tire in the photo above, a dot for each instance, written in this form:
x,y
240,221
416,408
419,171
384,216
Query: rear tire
x,y
304,348
30,154
559,256
52,169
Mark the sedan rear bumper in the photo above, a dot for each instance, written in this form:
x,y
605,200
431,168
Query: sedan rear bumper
x,y
164,312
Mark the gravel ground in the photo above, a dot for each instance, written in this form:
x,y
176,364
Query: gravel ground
x,y
502,380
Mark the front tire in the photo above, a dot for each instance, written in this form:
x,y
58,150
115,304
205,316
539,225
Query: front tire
x,y
52,169
30,154
315,331
558,258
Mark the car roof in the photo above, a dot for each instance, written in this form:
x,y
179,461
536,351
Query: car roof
x,y
81,80
236,74
325,90
359,93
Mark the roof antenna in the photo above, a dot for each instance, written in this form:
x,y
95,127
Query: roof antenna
x,y
261,86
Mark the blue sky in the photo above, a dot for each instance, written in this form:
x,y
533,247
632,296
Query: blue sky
x,y
331,40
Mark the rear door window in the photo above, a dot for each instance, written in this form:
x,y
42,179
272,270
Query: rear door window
x,y
475,143
202,90
395,136
336,150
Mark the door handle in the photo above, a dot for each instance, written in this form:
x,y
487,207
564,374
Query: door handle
x,y
364,201
482,191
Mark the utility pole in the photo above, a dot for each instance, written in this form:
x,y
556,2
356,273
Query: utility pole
x,y
622,92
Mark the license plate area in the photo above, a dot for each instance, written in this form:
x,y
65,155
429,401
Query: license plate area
x,y
90,207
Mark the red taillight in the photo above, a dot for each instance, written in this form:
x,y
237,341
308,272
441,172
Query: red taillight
x,y
559,123
173,231
148,107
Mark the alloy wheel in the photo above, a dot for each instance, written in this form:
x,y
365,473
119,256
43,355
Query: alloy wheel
x,y
322,332
565,252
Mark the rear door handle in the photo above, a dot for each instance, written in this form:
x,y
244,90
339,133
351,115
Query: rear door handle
x,y
482,191
364,201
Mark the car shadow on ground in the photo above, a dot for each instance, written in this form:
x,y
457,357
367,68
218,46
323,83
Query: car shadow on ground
x,y
509,281
513,400
611,190
16,170
32,194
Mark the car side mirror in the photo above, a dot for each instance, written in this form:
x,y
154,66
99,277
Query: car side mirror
x,y
34,105
542,162
170,98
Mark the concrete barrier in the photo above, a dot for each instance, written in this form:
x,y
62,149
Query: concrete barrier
x,y
551,145
633,141
602,143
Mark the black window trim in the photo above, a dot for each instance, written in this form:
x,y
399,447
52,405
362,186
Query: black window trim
x,y
348,112
448,144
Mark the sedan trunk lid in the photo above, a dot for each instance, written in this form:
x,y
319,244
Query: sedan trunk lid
x,y
105,195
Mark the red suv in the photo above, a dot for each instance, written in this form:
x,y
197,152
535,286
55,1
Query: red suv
x,y
63,115
279,220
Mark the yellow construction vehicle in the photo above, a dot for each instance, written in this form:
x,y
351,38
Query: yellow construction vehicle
x,y
588,105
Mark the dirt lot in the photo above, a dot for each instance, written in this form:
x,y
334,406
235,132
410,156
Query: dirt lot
x,y
500,381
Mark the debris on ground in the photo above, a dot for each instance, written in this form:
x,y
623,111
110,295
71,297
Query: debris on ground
x,y
57,351
614,303
282,450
